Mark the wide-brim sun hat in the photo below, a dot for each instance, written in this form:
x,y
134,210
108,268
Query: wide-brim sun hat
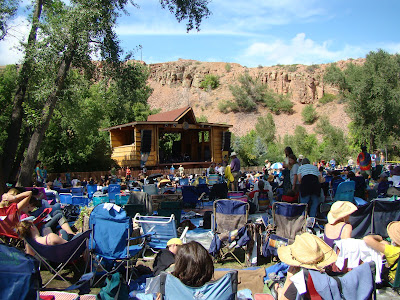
x,y
308,251
233,154
393,230
339,210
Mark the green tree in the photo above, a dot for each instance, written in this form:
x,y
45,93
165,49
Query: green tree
x,y
8,9
71,33
373,94
265,128
309,114
210,82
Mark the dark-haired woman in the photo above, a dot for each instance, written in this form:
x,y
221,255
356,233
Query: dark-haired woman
x,y
193,265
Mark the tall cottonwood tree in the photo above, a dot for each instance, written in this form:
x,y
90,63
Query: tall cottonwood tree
x,y
372,91
70,34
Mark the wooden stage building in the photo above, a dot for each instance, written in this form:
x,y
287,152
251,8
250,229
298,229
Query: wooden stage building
x,y
173,137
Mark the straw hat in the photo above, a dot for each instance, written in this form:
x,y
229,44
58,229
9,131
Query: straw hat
x,y
174,241
307,251
393,230
233,154
339,210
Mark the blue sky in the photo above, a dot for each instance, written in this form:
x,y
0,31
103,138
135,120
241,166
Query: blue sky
x,y
255,32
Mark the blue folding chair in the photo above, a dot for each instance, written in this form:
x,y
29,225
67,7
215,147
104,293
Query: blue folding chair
x,y
19,274
184,181
80,200
65,198
229,227
60,254
91,189
77,191
110,238
113,189
150,189
225,288
51,197
100,199
159,229
121,199
345,191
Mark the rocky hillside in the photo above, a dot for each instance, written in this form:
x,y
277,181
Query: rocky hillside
x,y
177,84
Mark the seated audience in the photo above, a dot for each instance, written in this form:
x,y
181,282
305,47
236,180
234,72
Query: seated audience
x,y
193,265
338,226
166,257
391,251
308,251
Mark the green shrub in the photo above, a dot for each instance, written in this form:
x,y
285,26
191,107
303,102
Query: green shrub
x,y
326,98
228,67
210,82
309,114
226,106
312,68
292,68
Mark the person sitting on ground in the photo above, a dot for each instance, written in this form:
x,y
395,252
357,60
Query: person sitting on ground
x,y
308,251
166,257
338,226
391,251
193,265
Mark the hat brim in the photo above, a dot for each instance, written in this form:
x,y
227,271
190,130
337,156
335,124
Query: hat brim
x,y
285,255
390,230
332,219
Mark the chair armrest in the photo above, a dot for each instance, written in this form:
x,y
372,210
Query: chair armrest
x,y
183,235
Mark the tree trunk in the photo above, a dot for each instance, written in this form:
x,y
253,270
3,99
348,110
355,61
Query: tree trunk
x,y
14,128
25,176
20,156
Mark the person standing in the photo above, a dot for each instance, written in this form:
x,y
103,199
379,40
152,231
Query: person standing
x,y
128,173
39,175
310,188
181,170
235,170
44,173
286,171
364,161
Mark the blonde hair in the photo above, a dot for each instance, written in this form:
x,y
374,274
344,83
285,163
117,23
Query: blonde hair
x,y
24,229
4,203
13,191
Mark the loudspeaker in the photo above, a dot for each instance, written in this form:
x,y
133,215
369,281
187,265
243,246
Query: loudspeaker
x,y
146,141
226,141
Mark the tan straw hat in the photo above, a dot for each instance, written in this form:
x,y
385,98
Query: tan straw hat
x,y
339,210
174,241
393,230
307,251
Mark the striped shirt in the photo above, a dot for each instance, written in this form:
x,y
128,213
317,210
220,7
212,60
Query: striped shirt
x,y
308,169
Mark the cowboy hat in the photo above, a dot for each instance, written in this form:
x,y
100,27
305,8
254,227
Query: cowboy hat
x,y
339,210
307,251
393,230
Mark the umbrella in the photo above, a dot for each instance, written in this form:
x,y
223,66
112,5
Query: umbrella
x,y
277,165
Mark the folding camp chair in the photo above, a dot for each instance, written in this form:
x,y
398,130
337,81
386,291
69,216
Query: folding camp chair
x,y
91,189
65,198
334,186
19,274
113,190
229,227
159,231
150,189
224,288
109,242
80,200
121,199
289,219
345,191
77,191
193,195
61,254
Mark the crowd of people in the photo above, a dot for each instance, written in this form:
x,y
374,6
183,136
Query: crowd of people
x,y
295,179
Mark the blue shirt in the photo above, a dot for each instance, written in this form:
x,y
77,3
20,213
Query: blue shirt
x,y
235,165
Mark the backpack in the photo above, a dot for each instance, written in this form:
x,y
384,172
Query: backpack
x,y
115,288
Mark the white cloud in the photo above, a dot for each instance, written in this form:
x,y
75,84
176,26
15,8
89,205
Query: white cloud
x,y
299,50
9,47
